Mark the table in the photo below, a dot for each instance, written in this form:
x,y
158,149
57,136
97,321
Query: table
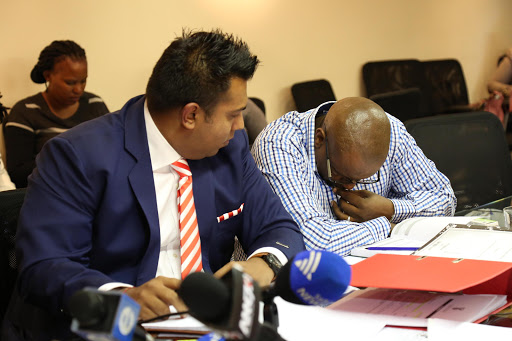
x,y
492,210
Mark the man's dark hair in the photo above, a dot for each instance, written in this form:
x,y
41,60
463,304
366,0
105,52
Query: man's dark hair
x,y
53,53
198,67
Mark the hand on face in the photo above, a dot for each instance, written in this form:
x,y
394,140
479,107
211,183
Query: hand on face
x,y
361,206
155,297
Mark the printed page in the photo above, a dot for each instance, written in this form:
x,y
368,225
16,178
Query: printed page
x,y
410,233
425,228
402,334
445,330
395,242
468,243
305,323
186,324
413,308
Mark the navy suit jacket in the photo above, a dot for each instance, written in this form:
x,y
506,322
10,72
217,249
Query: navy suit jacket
x,y
90,213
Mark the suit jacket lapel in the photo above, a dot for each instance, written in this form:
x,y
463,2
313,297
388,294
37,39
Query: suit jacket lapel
x,y
141,181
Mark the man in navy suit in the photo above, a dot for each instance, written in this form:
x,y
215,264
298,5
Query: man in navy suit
x,y
100,209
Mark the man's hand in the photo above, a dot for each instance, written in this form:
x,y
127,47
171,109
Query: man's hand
x,y
362,206
155,297
256,267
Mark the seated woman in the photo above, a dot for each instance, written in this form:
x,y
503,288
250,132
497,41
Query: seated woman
x,y
501,80
62,67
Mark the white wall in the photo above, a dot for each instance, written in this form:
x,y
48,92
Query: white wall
x,y
296,40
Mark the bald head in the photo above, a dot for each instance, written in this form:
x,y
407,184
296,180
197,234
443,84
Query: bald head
x,y
358,124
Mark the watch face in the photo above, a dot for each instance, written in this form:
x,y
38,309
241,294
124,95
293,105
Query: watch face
x,y
273,262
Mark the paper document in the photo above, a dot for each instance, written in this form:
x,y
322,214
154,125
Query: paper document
x,y
187,324
443,330
306,323
402,334
492,245
412,308
412,232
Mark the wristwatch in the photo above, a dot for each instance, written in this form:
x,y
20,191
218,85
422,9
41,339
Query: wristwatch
x,y
273,262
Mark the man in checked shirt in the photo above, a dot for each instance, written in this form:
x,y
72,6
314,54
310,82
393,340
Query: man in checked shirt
x,y
346,171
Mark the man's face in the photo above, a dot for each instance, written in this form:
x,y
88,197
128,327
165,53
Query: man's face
x,y
346,166
216,130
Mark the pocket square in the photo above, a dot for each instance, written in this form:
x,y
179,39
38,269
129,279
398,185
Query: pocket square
x,y
230,214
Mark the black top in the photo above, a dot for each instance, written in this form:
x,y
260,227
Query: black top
x,y
31,123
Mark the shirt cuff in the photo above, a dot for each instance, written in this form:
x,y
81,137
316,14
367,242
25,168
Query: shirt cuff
x,y
403,209
276,252
114,285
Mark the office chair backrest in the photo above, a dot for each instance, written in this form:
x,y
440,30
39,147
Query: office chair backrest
x,y
259,102
10,205
446,85
403,104
389,76
310,94
471,150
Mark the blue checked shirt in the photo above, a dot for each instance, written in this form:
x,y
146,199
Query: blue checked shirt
x,y
284,152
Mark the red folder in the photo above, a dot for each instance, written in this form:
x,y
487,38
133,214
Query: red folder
x,y
451,275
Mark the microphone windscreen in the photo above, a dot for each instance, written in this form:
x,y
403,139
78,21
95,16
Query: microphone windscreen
x,y
282,286
207,297
319,277
88,307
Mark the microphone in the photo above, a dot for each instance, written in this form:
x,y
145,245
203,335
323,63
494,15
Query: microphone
x,y
230,305
311,278
105,315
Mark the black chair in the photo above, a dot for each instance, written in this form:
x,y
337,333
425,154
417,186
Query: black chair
x,y
395,80
310,94
10,205
446,86
403,104
391,75
471,150
259,102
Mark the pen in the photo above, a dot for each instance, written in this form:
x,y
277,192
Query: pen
x,y
390,248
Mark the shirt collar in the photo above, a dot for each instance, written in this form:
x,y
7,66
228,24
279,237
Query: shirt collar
x,y
161,152
322,109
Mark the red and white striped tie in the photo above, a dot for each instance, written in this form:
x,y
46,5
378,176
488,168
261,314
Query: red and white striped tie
x,y
189,232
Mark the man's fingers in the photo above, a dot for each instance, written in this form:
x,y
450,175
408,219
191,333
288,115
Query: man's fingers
x,y
156,295
337,211
224,270
355,198
171,297
151,305
171,283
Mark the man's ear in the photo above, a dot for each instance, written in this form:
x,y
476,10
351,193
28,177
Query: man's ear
x,y
319,137
189,115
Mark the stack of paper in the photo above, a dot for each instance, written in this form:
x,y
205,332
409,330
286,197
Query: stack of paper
x,y
410,233
470,243
412,308
178,326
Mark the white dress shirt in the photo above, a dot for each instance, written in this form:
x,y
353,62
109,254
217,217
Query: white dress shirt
x,y
166,188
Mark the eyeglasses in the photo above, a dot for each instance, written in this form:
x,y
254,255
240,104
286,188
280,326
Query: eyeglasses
x,y
346,181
